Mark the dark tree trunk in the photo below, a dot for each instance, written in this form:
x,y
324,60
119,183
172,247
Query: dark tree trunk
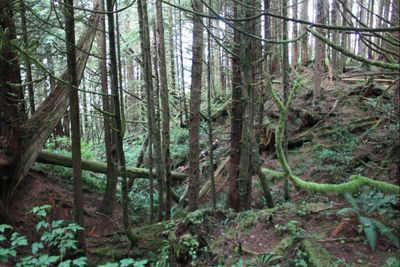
x,y
108,202
195,100
118,121
164,105
151,114
236,122
286,85
10,112
74,108
28,79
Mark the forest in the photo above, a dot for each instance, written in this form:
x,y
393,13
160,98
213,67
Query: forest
x,y
200,133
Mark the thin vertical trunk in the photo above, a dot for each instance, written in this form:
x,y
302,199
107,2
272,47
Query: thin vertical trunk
x,y
161,183
108,201
164,105
335,38
75,131
185,108
319,54
304,42
344,38
285,83
209,121
28,78
195,100
118,121
362,21
232,200
148,78
295,53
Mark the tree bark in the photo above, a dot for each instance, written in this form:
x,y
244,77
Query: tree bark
x,y
108,201
304,44
164,105
118,120
286,88
232,200
151,115
319,54
28,78
10,112
75,124
295,47
195,100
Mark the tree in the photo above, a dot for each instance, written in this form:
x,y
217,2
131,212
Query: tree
x,y
286,86
108,201
10,110
74,108
118,121
151,113
295,47
304,43
195,100
319,54
20,151
164,105
232,200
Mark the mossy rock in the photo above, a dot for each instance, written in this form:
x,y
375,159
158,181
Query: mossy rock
x,y
317,256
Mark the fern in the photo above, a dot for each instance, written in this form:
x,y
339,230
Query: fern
x,y
353,202
369,230
387,232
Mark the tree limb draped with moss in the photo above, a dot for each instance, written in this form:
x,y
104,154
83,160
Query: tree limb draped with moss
x,y
385,65
356,181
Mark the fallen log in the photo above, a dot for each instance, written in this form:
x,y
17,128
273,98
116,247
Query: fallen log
x,y
46,157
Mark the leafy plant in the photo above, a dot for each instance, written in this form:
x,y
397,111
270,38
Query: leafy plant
x,y
292,227
55,235
362,207
126,263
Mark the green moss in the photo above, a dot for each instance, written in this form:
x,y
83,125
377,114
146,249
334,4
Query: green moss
x,y
317,256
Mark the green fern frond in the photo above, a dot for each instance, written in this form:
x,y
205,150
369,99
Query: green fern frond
x,y
352,201
369,230
387,232
383,201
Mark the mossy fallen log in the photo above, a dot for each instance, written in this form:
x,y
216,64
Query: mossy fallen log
x,y
46,157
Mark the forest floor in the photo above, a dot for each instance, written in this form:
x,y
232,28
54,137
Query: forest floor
x,y
350,131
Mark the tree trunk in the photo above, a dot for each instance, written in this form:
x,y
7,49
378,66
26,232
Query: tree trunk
x,y
28,78
295,53
164,105
148,77
108,201
304,43
232,200
185,108
74,108
195,100
10,116
118,120
344,38
319,54
209,121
